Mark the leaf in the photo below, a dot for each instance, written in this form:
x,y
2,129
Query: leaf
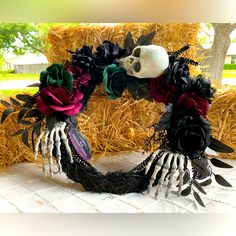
x,y
139,89
25,136
5,114
145,39
129,43
22,113
33,85
32,113
206,183
198,198
36,127
186,191
25,98
218,146
220,180
186,177
24,122
4,103
219,163
14,102
20,131
198,186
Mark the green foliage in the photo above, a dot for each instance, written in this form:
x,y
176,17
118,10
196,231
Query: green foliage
x,y
229,66
24,37
10,71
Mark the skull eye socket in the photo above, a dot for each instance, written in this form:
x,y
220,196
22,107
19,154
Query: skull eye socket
x,y
137,66
136,52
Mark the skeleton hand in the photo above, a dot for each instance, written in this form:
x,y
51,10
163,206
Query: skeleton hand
x,y
48,143
166,165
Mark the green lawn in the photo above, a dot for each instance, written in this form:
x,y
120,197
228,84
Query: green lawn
x,y
229,74
19,77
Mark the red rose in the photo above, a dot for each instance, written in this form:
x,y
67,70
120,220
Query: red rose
x,y
191,101
81,78
59,99
161,89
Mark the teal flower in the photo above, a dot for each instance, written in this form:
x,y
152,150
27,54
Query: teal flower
x,y
114,80
56,75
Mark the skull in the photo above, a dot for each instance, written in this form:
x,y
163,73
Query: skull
x,y
146,61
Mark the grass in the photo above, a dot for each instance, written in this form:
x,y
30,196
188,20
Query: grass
x,y
7,77
229,74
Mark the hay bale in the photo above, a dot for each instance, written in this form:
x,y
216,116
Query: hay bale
x,y
170,36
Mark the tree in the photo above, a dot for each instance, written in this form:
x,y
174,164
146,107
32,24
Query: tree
x,y
21,38
213,64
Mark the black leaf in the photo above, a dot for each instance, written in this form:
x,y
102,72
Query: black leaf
x,y
218,146
206,183
5,114
198,198
25,98
24,122
22,113
129,43
186,191
198,186
219,163
139,89
145,39
32,113
220,180
4,103
37,127
25,136
20,131
186,177
14,102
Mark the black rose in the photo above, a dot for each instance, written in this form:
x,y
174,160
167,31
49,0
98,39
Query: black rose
x,y
189,134
84,58
107,53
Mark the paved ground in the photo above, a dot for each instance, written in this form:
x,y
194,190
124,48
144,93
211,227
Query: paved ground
x,y
23,188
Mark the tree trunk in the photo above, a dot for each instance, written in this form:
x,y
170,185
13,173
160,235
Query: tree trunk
x,y
213,64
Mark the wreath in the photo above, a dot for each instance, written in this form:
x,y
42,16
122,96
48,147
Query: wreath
x,y
182,136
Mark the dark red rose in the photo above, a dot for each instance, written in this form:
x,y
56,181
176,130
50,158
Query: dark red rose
x,y
192,101
161,89
59,99
81,78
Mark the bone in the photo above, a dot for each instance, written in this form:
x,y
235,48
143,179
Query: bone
x,y
44,148
154,154
181,173
165,170
37,145
50,149
173,171
62,126
58,152
157,169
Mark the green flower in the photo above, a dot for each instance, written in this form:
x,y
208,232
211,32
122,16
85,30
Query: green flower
x,y
56,75
114,80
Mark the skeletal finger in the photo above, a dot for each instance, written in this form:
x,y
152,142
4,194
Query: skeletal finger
x,y
154,154
37,145
65,140
50,148
165,170
172,173
58,145
181,172
44,148
156,170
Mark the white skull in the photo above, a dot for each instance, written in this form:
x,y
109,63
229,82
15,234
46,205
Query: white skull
x,y
146,61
